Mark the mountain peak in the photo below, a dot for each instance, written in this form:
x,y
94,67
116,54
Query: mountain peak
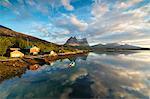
x,y
73,41
73,38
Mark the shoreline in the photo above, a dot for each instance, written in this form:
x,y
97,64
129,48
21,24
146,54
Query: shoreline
x,y
15,67
31,59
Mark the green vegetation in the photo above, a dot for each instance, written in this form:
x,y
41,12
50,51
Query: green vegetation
x,y
8,42
2,58
5,44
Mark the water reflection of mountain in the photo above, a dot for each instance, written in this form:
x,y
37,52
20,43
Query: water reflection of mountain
x,y
82,57
115,52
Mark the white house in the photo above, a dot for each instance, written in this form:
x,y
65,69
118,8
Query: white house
x,y
52,53
16,54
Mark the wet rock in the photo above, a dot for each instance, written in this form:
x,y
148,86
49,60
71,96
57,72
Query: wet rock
x,y
34,67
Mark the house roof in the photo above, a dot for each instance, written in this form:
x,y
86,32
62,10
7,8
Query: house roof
x,y
16,52
14,49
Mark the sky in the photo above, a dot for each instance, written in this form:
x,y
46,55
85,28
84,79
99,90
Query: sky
x,y
100,21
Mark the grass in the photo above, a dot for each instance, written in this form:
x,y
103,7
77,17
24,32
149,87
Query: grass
x,y
3,58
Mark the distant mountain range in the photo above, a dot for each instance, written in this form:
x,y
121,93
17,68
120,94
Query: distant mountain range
x,y
83,43
116,46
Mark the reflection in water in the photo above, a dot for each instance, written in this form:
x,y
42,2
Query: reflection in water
x,y
7,72
96,76
72,64
116,52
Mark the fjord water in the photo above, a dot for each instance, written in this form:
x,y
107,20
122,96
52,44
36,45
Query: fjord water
x,y
97,75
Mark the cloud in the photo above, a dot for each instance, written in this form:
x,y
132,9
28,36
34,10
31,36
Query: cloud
x,y
78,23
67,5
21,7
142,42
38,6
117,25
99,9
5,3
128,3
10,6
49,32
75,26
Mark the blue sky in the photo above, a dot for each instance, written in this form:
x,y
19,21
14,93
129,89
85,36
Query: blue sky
x,y
100,21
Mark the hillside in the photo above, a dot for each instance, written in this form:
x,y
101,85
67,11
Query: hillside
x,y
10,38
6,32
4,27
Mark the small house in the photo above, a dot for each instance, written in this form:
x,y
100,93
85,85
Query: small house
x,y
16,54
52,53
34,50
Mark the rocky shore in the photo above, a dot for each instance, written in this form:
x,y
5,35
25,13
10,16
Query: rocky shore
x,y
13,68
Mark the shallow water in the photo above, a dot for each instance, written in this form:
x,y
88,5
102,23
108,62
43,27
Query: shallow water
x,y
103,75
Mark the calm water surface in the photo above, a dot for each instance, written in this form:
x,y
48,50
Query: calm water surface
x,y
103,75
